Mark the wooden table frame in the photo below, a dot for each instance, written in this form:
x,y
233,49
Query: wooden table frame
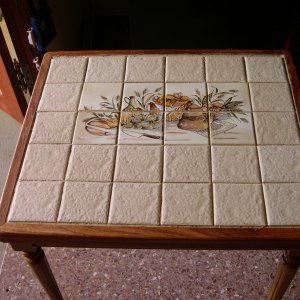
x,y
29,238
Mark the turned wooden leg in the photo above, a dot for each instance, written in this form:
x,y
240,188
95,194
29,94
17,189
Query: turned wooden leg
x,y
285,274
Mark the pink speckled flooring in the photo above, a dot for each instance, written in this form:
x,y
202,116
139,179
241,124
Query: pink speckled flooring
x,y
148,274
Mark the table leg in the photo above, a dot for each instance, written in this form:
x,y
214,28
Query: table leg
x,y
285,274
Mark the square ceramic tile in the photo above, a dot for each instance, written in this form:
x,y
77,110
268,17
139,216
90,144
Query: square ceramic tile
x,y
280,163
143,97
225,68
271,97
101,96
105,69
145,68
35,201
91,163
141,128
96,127
65,69
276,128
238,205
235,164
186,204
85,202
138,163
229,97
135,203
183,96
187,164
282,203
231,127
266,68
185,68
60,97
53,127
45,162
188,127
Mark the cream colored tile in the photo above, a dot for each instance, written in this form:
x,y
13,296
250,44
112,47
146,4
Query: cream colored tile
x,y
186,164
186,204
271,97
135,203
276,128
231,127
282,203
85,202
91,163
265,69
237,164
238,205
185,68
53,127
60,97
144,68
45,162
105,69
96,127
229,96
138,163
67,69
225,68
35,201
101,96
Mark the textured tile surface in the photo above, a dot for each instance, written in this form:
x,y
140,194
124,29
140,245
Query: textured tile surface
x,y
53,127
36,201
238,205
138,164
276,128
91,163
235,164
85,202
186,164
135,203
186,204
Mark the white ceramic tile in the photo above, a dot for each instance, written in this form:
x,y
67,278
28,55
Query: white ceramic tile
x,y
225,68
186,164
105,69
101,96
138,163
85,202
135,203
65,69
280,163
231,128
186,204
96,128
35,201
91,163
229,96
144,68
271,97
276,128
185,68
53,127
282,203
45,162
60,97
236,164
265,68
143,97
238,205
141,128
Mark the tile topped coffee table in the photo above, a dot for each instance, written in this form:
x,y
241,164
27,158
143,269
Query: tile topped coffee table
x,y
174,149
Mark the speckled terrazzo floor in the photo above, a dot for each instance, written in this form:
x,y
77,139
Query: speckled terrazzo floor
x,y
148,274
